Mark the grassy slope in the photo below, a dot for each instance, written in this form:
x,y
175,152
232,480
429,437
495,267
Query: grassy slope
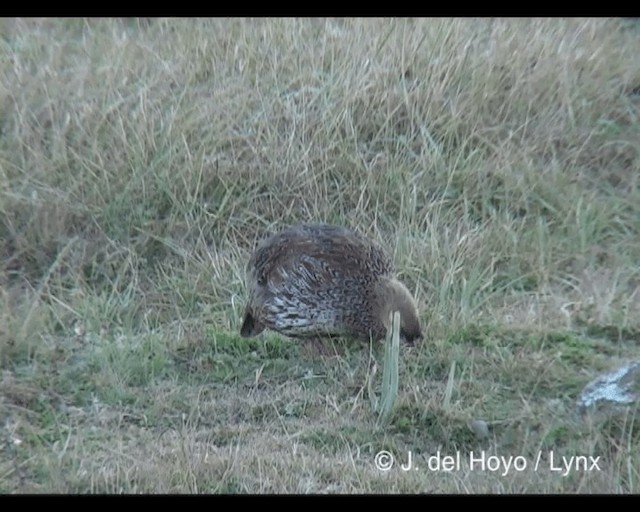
x,y
139,162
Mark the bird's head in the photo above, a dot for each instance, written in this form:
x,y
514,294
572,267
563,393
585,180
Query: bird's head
x,y
392,296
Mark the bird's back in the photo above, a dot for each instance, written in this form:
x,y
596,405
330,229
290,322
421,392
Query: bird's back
x,y
314,277
328,250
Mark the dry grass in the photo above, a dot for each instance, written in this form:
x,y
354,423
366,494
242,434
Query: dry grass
x,y
140,160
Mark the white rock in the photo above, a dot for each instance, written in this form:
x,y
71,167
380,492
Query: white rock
x,y
618,388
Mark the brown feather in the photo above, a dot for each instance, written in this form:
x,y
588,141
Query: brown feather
x,y
314,280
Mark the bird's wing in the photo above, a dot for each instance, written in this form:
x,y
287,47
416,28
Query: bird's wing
x,y
318,259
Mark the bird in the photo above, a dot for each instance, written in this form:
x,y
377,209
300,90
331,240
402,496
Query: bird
x,y
314,280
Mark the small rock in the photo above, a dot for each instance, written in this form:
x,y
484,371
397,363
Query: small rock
x,y
479,428
617,388
78,329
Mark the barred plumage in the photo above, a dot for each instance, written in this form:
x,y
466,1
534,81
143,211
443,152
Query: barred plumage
x,y
316,280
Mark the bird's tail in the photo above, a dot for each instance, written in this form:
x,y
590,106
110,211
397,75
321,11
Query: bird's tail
x,y
250,327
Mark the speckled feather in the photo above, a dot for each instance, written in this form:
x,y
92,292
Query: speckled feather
x,y
315,280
